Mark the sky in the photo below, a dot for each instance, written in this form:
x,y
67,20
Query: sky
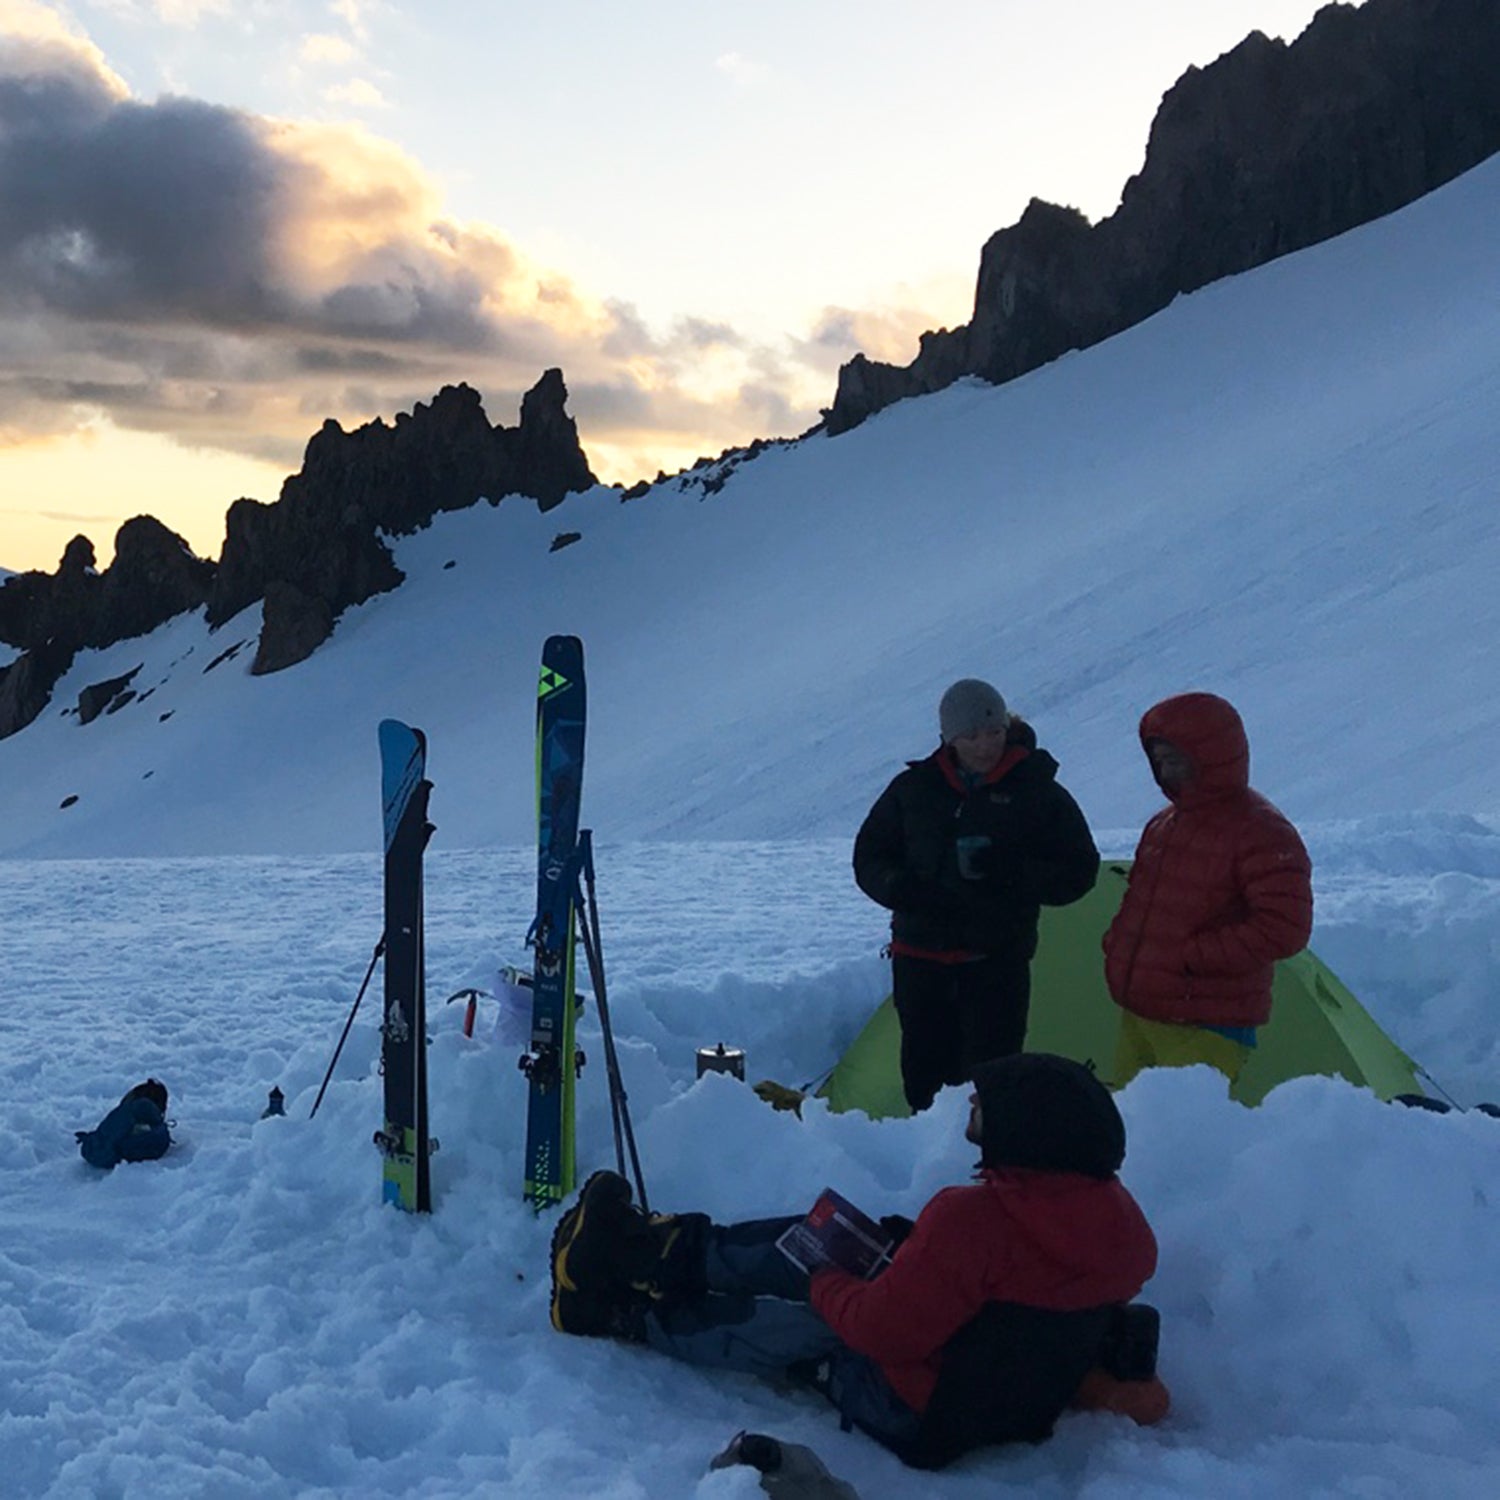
x,y
222,223
1281,488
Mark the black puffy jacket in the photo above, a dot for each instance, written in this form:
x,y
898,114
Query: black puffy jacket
x,y
1041,852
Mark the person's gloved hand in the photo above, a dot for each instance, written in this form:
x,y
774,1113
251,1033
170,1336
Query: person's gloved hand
x,y
898,1226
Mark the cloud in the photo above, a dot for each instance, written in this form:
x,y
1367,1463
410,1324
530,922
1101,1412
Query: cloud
x,y
67,517
357,93
187,13
230,280
352,14
324,50
744,72
891,333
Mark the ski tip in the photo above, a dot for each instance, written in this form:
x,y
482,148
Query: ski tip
x,y
397,732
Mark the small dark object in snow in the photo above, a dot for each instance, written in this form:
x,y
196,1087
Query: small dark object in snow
x,y
226,655
135,1129
789,1471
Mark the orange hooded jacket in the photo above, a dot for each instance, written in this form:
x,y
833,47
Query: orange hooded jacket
x,y
1221,886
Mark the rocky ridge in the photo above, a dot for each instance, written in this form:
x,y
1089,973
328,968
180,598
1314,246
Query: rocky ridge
x,y
1271,149
310,555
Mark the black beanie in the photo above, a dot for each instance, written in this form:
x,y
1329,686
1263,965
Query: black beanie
x,y
1050,1114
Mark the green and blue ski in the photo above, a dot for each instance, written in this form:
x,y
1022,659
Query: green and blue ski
x,y
403,1141
552,1062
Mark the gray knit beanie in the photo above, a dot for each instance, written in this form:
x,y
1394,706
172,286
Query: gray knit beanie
x,y
969,706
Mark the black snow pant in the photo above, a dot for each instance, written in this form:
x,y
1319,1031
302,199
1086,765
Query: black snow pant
x,y
755,1317
956,1016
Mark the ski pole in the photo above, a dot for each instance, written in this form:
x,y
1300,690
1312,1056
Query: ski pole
x,y
618,1099
593,951
586,938
374,959
590,929
586,935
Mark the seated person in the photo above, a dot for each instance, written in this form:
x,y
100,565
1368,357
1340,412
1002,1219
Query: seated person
x,y
1004,1303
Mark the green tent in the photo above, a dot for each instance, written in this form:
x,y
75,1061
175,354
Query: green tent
x,y
1316,1026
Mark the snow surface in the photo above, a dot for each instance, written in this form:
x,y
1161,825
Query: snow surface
x,y
244,1319
1282,488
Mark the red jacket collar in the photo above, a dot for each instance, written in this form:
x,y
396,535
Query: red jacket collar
x,y
948,762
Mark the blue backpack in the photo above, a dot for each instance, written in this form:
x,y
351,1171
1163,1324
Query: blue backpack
x,y
134,1130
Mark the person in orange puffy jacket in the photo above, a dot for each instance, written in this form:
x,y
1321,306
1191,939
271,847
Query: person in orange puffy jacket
x,y
1220,889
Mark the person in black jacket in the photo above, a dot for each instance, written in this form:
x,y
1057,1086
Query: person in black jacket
x,y
964,847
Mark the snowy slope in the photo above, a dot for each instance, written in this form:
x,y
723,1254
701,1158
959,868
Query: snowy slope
x,y
1282,487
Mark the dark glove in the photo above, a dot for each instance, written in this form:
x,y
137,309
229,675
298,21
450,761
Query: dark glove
x,y
898,1226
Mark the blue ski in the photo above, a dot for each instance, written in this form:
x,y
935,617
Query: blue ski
x,y
551,1063
404,1141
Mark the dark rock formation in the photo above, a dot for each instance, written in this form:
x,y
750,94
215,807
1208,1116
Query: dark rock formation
x,y
309,556
295,625
154,576
99,696
317,550
1270,149
27,683
53,616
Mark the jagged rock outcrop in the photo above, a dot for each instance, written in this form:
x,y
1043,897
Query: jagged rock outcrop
x,y
26,684
98,696
317,550
53,616
294,625
308,556
1272,148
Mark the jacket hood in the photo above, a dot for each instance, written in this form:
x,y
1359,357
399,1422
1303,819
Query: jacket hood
x,y
1208,730
1045,1113
1091,1236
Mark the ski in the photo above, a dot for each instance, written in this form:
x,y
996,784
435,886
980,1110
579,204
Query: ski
x,y
551,1063
404,1144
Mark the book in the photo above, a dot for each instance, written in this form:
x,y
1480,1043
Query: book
x,y
836,1233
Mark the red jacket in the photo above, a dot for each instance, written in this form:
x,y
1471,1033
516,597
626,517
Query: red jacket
x,y
1221,886
1054,1240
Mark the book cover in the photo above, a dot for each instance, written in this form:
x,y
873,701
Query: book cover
x,y
836,1233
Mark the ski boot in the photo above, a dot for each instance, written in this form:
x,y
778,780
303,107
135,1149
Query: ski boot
x,y
609,1254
